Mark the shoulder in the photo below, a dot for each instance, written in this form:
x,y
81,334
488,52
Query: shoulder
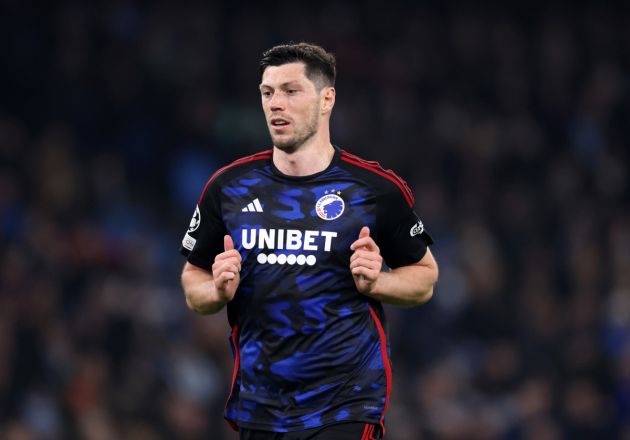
x,y
237,167
242,164
374,174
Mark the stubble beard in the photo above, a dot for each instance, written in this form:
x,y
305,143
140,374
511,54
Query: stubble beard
x,y
291,145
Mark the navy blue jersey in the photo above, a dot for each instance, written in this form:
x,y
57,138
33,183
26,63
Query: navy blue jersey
x,y
309,349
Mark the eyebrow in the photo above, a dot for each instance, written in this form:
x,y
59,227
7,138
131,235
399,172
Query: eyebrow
x,y
284,84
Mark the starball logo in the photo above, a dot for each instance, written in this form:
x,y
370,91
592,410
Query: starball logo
x,y
278,240
189,242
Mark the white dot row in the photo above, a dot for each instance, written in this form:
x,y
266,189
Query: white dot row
x,y
287,259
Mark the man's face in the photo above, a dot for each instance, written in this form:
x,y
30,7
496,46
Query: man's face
x,y
292,105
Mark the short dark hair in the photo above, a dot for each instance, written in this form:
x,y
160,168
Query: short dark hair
x,y
319,63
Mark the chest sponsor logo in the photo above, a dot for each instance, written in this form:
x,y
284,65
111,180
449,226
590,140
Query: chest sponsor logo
x,y
275,240
330,206
416,229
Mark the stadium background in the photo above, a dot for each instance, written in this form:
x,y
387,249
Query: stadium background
x,y
511,125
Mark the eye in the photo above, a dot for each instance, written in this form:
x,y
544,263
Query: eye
x,y
266,93
291,91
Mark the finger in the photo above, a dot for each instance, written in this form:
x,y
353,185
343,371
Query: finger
x,y
232,268
224,278
365,242
231,260
228,275
369,264
364,232
364,274
233,253
369,255
228,243
222,267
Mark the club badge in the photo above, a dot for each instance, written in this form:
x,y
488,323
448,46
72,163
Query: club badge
x,y
330,206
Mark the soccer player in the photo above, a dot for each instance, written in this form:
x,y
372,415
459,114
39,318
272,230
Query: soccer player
x,y
292,240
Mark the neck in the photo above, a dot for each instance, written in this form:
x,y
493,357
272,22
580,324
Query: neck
x,y
308,159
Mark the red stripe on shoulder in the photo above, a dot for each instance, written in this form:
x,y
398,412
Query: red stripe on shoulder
x,y
258,156
376,168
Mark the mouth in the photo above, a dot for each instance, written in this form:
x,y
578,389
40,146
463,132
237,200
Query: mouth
x,y
278,123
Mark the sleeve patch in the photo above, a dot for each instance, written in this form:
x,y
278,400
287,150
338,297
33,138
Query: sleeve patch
x,y
189,242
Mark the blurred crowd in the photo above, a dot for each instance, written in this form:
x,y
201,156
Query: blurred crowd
x,y
511,124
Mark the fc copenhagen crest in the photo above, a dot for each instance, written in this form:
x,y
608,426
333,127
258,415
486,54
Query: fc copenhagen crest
x,y
330,206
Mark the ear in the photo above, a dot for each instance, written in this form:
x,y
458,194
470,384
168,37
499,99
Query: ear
x,y
327,99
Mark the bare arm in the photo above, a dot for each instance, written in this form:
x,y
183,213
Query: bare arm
x,y
405,286
208,291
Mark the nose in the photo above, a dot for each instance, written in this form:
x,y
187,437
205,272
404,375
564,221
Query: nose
x,y
276,102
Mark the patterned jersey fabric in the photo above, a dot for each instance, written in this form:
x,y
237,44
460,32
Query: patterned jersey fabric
x,y
309,349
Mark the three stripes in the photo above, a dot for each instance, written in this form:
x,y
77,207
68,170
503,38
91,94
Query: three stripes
x,y
254,206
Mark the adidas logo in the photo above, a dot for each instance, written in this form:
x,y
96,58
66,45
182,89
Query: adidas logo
x,y
254,206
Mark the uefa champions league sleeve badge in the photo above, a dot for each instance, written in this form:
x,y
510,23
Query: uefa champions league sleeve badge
x,y
188,241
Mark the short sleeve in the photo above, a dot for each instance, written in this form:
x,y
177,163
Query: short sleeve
x,y
402,237
203,240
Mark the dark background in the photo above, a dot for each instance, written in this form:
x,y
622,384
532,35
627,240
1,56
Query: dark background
x,y
511,124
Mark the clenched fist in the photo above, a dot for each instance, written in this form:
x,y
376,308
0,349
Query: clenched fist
x,y
226,270
365,262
